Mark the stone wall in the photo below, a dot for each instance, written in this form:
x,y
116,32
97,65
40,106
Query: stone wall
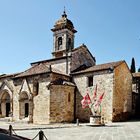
x,y
41,106
104,81
105,85
61,64
61,103
122,98
80,81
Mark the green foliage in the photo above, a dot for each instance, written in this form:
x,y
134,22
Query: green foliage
x,y
133,68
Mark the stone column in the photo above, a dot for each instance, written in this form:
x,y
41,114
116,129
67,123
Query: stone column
x,y
31,110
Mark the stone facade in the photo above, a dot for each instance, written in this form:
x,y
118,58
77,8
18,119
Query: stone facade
x,y
117,101
104,81
35,106
61,104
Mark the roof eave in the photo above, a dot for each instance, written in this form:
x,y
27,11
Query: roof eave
x,y
31,75
77,73
49,60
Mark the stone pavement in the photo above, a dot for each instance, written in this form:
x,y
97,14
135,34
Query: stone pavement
x,y
111,131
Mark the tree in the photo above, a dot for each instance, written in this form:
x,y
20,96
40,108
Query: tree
x,y
133,68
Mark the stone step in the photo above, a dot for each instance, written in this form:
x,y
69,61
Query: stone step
x,y
9,119
25,121
5,119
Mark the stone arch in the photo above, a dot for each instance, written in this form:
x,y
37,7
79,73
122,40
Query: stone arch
x,y
60,41
23,94
5,103
24,104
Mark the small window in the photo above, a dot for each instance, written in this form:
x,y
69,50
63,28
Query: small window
x,y
59,42
69,41
36,87
90,81
68,97
69,44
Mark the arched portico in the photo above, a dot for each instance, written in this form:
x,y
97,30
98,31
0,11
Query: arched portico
x,y
25,105
6,103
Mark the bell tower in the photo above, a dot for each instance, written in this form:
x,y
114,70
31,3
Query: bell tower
x,y
63,37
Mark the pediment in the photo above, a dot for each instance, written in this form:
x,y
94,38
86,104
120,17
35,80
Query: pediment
x,y
25,87
6,86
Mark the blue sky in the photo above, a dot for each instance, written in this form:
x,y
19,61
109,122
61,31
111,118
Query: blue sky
x,y
109,28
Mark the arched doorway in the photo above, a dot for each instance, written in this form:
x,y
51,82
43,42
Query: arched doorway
x,y
5,104
23,105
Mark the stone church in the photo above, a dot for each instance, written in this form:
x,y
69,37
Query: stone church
x,y
50,91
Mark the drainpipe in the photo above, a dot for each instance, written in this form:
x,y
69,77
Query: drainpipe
x,y
12,106
75,104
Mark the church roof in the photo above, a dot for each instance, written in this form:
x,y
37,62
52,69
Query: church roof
x,y
100,67
81,58
49,61
64,23
60,81
38,69
9,75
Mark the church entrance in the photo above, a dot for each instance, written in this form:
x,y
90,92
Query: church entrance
x,y
7,109
5,104
26,109
23,105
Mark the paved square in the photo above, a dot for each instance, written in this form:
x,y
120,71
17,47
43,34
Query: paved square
x,y
112,131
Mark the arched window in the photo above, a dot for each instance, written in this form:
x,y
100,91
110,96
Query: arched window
x,y
69,41
59,42
23,105
35,87
69,44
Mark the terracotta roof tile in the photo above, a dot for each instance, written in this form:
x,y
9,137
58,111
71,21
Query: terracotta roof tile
x,y
36,69
39,69
101,67
9,75
49,61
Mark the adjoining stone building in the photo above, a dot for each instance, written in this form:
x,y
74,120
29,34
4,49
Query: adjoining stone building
x,y
52,90
136,95
114,80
